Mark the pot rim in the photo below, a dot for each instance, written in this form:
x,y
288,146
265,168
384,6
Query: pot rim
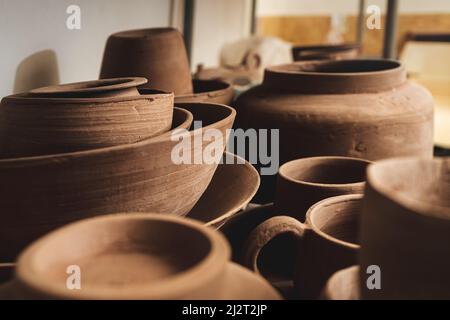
x,y
225,88
337,46
425,210
321,159
144,33
204,271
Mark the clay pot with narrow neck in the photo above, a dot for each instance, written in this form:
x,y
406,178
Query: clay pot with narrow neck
x,y
355,108
81,116
165,258
326,52
157,54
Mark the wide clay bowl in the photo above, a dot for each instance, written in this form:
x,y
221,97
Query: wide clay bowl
x,y
81,116
157,54
210,91
326,52
39,194
405,229
133,256
343,285
233,185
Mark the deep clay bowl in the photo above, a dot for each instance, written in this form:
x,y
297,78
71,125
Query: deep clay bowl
x,y
39,194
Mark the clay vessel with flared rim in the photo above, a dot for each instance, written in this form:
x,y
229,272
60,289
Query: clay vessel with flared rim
x,y
233,185
303,182
157,54
405,229
167,258
39,194
326,52
327,242
355,108
81,116
343,285
209,91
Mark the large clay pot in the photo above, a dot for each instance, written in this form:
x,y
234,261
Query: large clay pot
x,y
326,52
209,91
165,258
405,229
38,194
157,54
81,116
356,108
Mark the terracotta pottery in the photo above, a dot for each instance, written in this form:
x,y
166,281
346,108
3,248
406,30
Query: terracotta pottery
x,y
326,52
157,54
165,258
356,108
343,285
6,272
327,242
405,229
81,116
39,194
233,185
210,91
303,182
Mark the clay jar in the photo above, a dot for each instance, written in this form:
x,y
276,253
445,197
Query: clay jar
x,y
157,54
405,229
81,116
165,258
326,52
303,182
327,242
356,108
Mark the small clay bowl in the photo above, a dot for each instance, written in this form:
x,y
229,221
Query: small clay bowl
x,y
157,54
211,91
40,194
326,52
81,116
343,285
233,185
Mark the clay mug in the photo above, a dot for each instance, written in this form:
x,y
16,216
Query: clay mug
x,y
326,242
405,229
303,182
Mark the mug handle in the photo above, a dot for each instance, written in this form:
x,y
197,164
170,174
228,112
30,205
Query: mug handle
x,y
264,233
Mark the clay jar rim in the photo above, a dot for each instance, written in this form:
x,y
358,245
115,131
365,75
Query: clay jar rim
x,y
218,88
323,51
311,223
282,171
336,76
145,33
206,270
165,137
419,208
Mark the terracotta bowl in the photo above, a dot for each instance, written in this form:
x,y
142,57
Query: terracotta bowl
x,y
326,52
39,194
134,256
81,116
157,54
211,91
233,185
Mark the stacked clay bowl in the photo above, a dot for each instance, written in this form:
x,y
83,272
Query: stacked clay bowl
x,y
326,52
41,191
159,54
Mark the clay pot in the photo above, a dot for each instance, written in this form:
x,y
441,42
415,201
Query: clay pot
x,y
327,242
39,194
157,54
356,108
405,229
166,258
326,52
210,91
343,285
233,185
6,272
303,182
81,116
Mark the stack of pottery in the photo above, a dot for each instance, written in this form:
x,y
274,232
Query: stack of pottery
x,y
159,54
355,108
326,52
74,151
165,258
404,232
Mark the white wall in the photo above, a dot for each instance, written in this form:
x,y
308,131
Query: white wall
x,y
28,27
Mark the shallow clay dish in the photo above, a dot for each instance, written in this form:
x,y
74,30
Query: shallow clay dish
x,y
39,194
211,91
136,256
81,116
326,52
157,54
232,187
